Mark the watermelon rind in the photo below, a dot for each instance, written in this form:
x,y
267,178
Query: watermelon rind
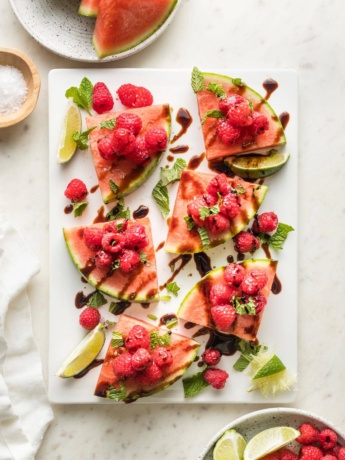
x,y
140,285
183,349
182,241
195,307
215,148
88,8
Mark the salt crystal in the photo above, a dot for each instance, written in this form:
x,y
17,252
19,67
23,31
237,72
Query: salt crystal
x,y
13,89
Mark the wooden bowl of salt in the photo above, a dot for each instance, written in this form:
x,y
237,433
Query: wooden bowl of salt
x,y
19,86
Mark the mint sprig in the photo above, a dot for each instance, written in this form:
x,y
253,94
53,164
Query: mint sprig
x,y
205,239
119,211
197,80
216,89
109,124
277,240
82,96
157,340
204,211
79,208
174,174
117,395
248,351
82,138
242,308
116,339
97,300
194,384
161,197
212,114
173,287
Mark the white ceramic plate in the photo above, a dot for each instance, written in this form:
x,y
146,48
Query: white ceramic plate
x,y
279,325
251,424
58,27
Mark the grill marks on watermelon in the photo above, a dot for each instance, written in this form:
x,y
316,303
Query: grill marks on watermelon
x,y
180,240
215,148
140,285
196,306
183,351
126,175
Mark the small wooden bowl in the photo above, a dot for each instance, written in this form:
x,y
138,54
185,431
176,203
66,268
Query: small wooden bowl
x,y
16,58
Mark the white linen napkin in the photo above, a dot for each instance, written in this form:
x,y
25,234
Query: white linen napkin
x,y
25,412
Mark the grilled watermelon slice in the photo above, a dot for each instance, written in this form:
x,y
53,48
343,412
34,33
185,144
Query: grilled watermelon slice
x,y
180,240
183,351
88,8
126,175
208,101
196,306
140,285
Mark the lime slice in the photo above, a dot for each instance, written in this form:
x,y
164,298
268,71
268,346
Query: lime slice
x,y
269,441
257,166
71,124
84,353
230,446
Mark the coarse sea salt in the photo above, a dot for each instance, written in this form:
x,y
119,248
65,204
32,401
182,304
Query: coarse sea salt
x,y
13,89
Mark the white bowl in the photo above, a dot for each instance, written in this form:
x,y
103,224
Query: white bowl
x,y
251,424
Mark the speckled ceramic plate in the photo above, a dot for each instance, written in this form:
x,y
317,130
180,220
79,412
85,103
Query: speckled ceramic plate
x,y
251,424
57,26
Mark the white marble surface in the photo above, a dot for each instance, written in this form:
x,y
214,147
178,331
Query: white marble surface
x,y
307,36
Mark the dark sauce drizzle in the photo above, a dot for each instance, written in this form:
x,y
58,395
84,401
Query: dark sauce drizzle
x,y
184,119
68,209
179,149
183,259
224,343
202,263
94,188
81,299
270,86
195,161
141,212
284,118
101,217
160,246
166,318
95,363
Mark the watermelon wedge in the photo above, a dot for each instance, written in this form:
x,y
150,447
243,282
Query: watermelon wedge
x,y
180,240
196,306
123,24
123,172
139,285
88,8
183,351
208,101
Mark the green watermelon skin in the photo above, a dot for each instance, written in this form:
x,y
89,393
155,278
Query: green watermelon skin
x,y
196,305
121,24
182,241
140,285
215,148
127,177
88,8
183,349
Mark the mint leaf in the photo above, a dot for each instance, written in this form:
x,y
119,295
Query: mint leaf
x,y
212,114
173,287
194,384
248,351
113,187
204,211
96,300
197,81
217,90
82,138
237,81
153,317
143,258
205,240
190,222
276,241
73,93
109,124
85,93
161,197
242,363
240,190
117,395
173,174
244,308
79,208
171,323
116,339
115,265
157,340
119,211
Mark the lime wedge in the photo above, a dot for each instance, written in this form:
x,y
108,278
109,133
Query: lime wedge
x,y
84,353
269,441
257,166
271,367
71,124
230,446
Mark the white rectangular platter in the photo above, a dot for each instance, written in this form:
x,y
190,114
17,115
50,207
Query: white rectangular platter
x,y
278,329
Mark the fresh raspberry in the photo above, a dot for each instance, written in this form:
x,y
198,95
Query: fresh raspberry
x,y
140,153
230,101
113,242
221,293
230,205
234,274
327,439
102,100
218,184
265,222
123,141
227,132
308,435
106,147
335,452
138,337
254,281
129,259
135,237
223,316
89,318
341,453
259,300
122,366
103,260
211,356
272,456
92,237
246,242
117,225
329,457
141,359
76,191
130,121
217,223
193,209
150,375
134,96
162,356
216,377
156,138
311,453
287,454
240,115
259,125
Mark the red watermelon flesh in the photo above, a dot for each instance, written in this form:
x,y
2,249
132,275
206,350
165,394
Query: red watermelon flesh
x,y
196,305
182,348
123,24
180,240
262,143
126,175
88,8
140,285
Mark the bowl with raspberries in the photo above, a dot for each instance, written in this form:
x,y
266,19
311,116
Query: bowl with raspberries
x,y
248,437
